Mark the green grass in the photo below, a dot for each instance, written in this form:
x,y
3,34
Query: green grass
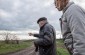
x,y
61,50
6,48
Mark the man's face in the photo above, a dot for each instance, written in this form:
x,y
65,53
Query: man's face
x,y
60,4
41,23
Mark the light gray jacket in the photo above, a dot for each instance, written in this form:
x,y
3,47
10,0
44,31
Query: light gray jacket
x,y
73,29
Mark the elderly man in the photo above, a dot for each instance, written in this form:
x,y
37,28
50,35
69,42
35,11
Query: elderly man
x,y
72,26
46,42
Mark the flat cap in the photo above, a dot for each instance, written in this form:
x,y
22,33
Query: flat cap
x,y
41,19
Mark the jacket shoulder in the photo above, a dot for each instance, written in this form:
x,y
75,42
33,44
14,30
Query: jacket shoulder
x,y
73,8
48,26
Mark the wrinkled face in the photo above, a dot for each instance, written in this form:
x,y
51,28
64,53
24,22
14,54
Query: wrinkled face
x,y
60,4
41,23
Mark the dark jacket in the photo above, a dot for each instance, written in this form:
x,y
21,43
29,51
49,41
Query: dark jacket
x,y
47,40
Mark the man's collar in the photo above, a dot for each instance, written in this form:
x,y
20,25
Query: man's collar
x,y
69,4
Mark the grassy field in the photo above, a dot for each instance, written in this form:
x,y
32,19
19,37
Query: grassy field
x,y
61,48
6,48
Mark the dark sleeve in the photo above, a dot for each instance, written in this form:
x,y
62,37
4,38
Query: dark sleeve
x,y
36,35
48,37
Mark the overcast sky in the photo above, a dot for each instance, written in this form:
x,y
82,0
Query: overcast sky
x,y
23,14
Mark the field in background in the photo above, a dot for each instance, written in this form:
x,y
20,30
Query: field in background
x,y
61,50
6,48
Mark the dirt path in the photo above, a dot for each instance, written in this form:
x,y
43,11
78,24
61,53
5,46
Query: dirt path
x,y
27,51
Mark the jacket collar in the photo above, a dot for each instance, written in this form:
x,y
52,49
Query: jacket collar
x,y
67,6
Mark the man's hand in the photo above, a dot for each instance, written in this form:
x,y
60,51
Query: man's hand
x,y
31,34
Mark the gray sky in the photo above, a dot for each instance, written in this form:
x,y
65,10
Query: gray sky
x,y
23,14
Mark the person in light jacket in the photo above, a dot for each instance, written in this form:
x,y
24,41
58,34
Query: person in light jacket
x,y
72,26
46,42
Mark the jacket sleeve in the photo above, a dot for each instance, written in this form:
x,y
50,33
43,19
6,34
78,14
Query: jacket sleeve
x,y
76,21
36,35
48,37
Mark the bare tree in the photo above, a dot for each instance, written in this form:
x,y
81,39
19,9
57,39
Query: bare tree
x,y
10,38
6,38
15,39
